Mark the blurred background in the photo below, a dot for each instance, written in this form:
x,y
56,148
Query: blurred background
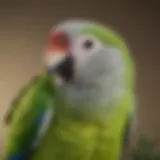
x,y
24,27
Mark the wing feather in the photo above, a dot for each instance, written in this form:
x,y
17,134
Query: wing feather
x,y
31,116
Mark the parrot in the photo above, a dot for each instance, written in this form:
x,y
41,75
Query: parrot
x,y
82,106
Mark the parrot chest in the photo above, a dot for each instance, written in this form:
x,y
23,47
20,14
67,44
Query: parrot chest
x,y
79,141
72,137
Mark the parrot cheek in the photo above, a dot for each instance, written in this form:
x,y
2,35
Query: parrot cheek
x,y
83,72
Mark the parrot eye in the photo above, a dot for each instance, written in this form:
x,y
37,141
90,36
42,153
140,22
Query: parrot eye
x,y
88,44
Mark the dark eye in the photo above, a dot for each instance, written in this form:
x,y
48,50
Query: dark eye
x,y
88,44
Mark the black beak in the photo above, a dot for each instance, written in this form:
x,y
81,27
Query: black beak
x,y
66,68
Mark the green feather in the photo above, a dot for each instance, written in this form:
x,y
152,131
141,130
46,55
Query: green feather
x,y
34,101
15,102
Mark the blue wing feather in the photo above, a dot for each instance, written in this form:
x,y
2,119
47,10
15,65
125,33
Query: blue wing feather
x,y
28,148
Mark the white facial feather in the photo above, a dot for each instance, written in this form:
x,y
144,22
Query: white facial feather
x,y
82,54
97,87
53,59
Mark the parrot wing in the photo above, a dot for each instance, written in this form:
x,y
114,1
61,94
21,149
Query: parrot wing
x,y
15,102
32,114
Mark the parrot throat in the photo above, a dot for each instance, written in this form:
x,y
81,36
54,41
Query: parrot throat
x,y
96,98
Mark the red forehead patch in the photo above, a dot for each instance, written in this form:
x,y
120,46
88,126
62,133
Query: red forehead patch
x,y
59,39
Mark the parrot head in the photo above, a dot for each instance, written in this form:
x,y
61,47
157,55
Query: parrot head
x,y
85,54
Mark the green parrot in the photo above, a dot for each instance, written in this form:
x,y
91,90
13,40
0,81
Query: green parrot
x,y
82,107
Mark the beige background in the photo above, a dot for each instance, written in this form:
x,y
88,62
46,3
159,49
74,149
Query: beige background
x,y
24,27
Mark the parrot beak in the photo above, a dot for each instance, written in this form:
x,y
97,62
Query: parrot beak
x,y
65,68
58,58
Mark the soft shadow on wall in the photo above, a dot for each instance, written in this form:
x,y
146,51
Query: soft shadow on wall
x,y
25,26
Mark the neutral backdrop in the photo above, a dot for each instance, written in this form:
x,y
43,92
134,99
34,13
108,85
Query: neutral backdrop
x,y
24,27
